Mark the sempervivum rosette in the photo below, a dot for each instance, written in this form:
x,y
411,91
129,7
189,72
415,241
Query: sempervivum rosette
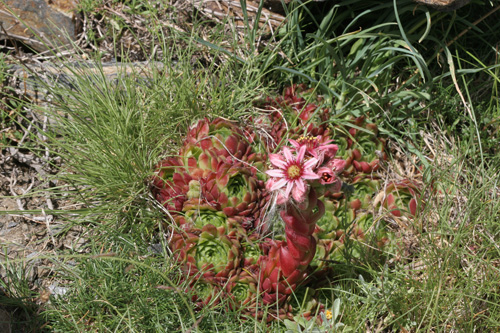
x,y
242,289
338,214
297,113
367,237
212,254
360,146
220,136
200,163
365,187
168,186
204,215
402,198
217,253
240,192
233,190
204,292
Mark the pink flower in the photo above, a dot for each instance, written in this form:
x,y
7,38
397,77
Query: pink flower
x,y
316,147
292,171
327,176
280,199
337,165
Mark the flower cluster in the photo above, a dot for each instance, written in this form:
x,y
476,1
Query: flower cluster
x,y
313,164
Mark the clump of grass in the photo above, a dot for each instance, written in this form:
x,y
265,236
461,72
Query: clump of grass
x,y
16,295
109,135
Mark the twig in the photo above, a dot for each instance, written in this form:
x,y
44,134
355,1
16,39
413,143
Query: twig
x,y
48,219
44,138
470,27
12,182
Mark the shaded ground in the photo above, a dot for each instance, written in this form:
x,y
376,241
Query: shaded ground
x,y
27,234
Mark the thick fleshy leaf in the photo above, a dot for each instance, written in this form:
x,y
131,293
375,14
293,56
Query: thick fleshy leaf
x,y
413,207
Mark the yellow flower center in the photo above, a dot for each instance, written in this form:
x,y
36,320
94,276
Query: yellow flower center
x,y
328,314
306,139
293,171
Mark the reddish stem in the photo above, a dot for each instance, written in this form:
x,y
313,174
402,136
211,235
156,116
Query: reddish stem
x,y
285,265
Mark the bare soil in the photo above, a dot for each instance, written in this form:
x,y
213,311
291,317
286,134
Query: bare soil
x,y
28,235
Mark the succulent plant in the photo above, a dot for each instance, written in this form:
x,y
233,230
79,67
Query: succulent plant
x,y
204,292
220,136
365,186
297,113
217,252
227,179
360,146
401,198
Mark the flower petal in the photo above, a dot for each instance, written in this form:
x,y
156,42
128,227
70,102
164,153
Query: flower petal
x,y
300,155
326,147
278,173
299,183
309,175
337,165
288,189
294,143
310,163
279,184
277,160
298,194
288,154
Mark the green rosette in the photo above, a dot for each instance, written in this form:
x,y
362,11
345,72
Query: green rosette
x,y
200,163
240,191
328,224
242,292
365,189
337,251
242,288
341,140
216,253
251,249
204,292
207,215
220,136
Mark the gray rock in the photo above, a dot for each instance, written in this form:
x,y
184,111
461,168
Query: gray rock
x,y
12,224
41,24
157,248
57,291
444,5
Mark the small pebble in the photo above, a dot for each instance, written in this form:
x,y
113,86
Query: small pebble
x,y
58,291
12,224
156,248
